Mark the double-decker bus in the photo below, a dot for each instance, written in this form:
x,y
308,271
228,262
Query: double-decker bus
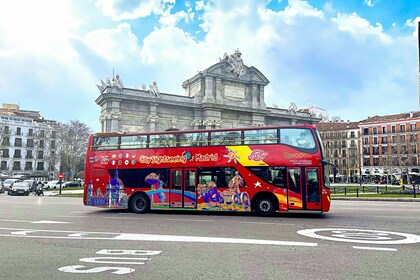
x,y
261,169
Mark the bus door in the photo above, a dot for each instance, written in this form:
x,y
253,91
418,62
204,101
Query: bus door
x,y
313,188
303,188
294,189
183,188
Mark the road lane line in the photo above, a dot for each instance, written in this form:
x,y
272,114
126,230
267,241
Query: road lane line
x,y
203,239
80,235
265,223
188,220
375,248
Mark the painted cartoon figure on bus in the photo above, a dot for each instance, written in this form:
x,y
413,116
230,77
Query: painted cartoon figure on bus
x,y
156,185
115,192
210,194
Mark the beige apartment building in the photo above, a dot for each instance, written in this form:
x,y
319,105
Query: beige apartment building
x,y
342,146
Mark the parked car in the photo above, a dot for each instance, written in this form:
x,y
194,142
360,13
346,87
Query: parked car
x,y
72,184
1,187
19,188
54,184
8,183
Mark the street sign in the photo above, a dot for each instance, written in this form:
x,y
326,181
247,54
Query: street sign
x,y
61,176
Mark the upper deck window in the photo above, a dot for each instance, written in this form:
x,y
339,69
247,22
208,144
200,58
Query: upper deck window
x,y
105,143
297,137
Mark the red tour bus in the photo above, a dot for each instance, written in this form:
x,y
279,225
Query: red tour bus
x,y
264,169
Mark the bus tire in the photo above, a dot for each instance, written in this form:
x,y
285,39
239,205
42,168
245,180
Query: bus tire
x,y
265,206
139,204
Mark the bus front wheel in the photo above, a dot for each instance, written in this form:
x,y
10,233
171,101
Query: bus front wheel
x,y
139,204
265,206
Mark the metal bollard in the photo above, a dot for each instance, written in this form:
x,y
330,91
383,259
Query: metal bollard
x,y
377,190
357,192
345,190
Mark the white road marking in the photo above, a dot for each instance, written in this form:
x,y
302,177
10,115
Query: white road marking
x,y
362,236
147,237
188,220
49,222
262,223
375,248
203,239
71,216
24,232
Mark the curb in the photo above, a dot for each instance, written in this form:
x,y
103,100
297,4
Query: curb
x,y
377,199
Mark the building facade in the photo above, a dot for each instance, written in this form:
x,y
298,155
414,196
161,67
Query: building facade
x,y
342,146
227,94
390,145
28,144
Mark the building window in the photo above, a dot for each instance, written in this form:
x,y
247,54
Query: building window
x,y
384,130
42,133
402,138
53,134
394,139
413,127
28,165
6,141
366,140
352,134
6,130
52,144
375,140
384,140
30,143
343,144
40,154
344,134
402,127
366,162
344,153
3,165
41,144
376,162
18,131
414,149
375,130
393,129
5,153
16,165
29,154
365,131
30,132
18,142
17,154
40,166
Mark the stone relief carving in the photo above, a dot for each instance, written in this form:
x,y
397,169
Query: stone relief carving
x,y
236,64
216,123
174,122
196,122
152,119
131,128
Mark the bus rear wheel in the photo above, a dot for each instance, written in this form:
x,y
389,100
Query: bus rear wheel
x,y
139,204
265,206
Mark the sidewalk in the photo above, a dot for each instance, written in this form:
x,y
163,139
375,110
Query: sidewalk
x,y
57,192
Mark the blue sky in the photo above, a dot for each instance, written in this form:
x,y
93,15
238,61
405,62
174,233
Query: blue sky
x,y
353,58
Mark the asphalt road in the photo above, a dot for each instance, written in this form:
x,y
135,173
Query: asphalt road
x,y
59,238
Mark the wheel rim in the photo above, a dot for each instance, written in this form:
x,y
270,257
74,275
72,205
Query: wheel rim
x,y
265,206
140,204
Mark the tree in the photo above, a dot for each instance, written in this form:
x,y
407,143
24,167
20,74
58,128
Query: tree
x,y
74,138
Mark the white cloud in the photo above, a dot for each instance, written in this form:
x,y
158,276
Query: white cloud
x,y
117,45
120,10
359,27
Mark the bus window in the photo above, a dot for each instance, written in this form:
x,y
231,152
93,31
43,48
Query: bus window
x,y
193,139
105,143
225,138
134,142
297,137
162,141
